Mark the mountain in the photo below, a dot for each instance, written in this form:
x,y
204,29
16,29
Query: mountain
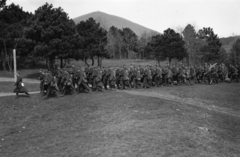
x,y
106,21
228,42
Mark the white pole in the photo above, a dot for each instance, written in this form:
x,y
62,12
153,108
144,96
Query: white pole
x,y
15,65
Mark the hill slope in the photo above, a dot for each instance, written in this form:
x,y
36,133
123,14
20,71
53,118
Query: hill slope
x,y
106,21
228,42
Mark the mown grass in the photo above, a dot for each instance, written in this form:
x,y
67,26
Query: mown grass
x,y
114,124
226,95
25,73
8,87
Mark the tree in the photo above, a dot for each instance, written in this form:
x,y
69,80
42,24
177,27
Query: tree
x,y
2,3
52,31
213,44
94,40
235,53
190,37
115,42
169,45
12,24
121,42
223,56
156,47
142,44
193,44
130,41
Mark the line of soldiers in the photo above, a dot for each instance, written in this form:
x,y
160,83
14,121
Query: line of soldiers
x,y
88,79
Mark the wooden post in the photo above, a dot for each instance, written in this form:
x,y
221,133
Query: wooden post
x,y
15,65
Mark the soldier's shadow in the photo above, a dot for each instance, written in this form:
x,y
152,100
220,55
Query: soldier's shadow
x,y
50,96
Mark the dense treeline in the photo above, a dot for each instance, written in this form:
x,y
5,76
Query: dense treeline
x,y
49,34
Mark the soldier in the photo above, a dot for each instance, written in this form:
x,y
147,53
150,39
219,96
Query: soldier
x,y
207,74
47,80
41,78
74,78
52,85
90,74
234,74
141,72
105,77
238,69
131,76
202,71
94,79
146,77
82,82
67,84
59,78
118,71
188,77
169,76
99,83
138,78
158,77
153,74
206,77
20,87
214,74
220,72
134,80
126,78
198,74
121,80
175,74
180,75
77,76
192,74
149,76
112,78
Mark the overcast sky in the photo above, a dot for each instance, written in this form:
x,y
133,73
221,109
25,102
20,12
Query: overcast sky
x,y
221,15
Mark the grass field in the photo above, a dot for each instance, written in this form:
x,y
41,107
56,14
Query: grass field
x,y
6,87
131,123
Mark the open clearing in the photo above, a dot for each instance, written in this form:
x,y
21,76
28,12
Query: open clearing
x,y
199,120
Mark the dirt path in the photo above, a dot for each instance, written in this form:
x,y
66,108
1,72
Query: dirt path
x,y
26,80
194,102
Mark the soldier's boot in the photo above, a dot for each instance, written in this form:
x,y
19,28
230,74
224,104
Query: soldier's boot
x,y
57,93
63,92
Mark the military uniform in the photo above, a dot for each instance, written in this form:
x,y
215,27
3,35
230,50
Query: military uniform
x,y
67,83
99,83
105,77
169,76
146,78
125,79
118,82
158,77
20,87
82,82
112,78
52,86
41,78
